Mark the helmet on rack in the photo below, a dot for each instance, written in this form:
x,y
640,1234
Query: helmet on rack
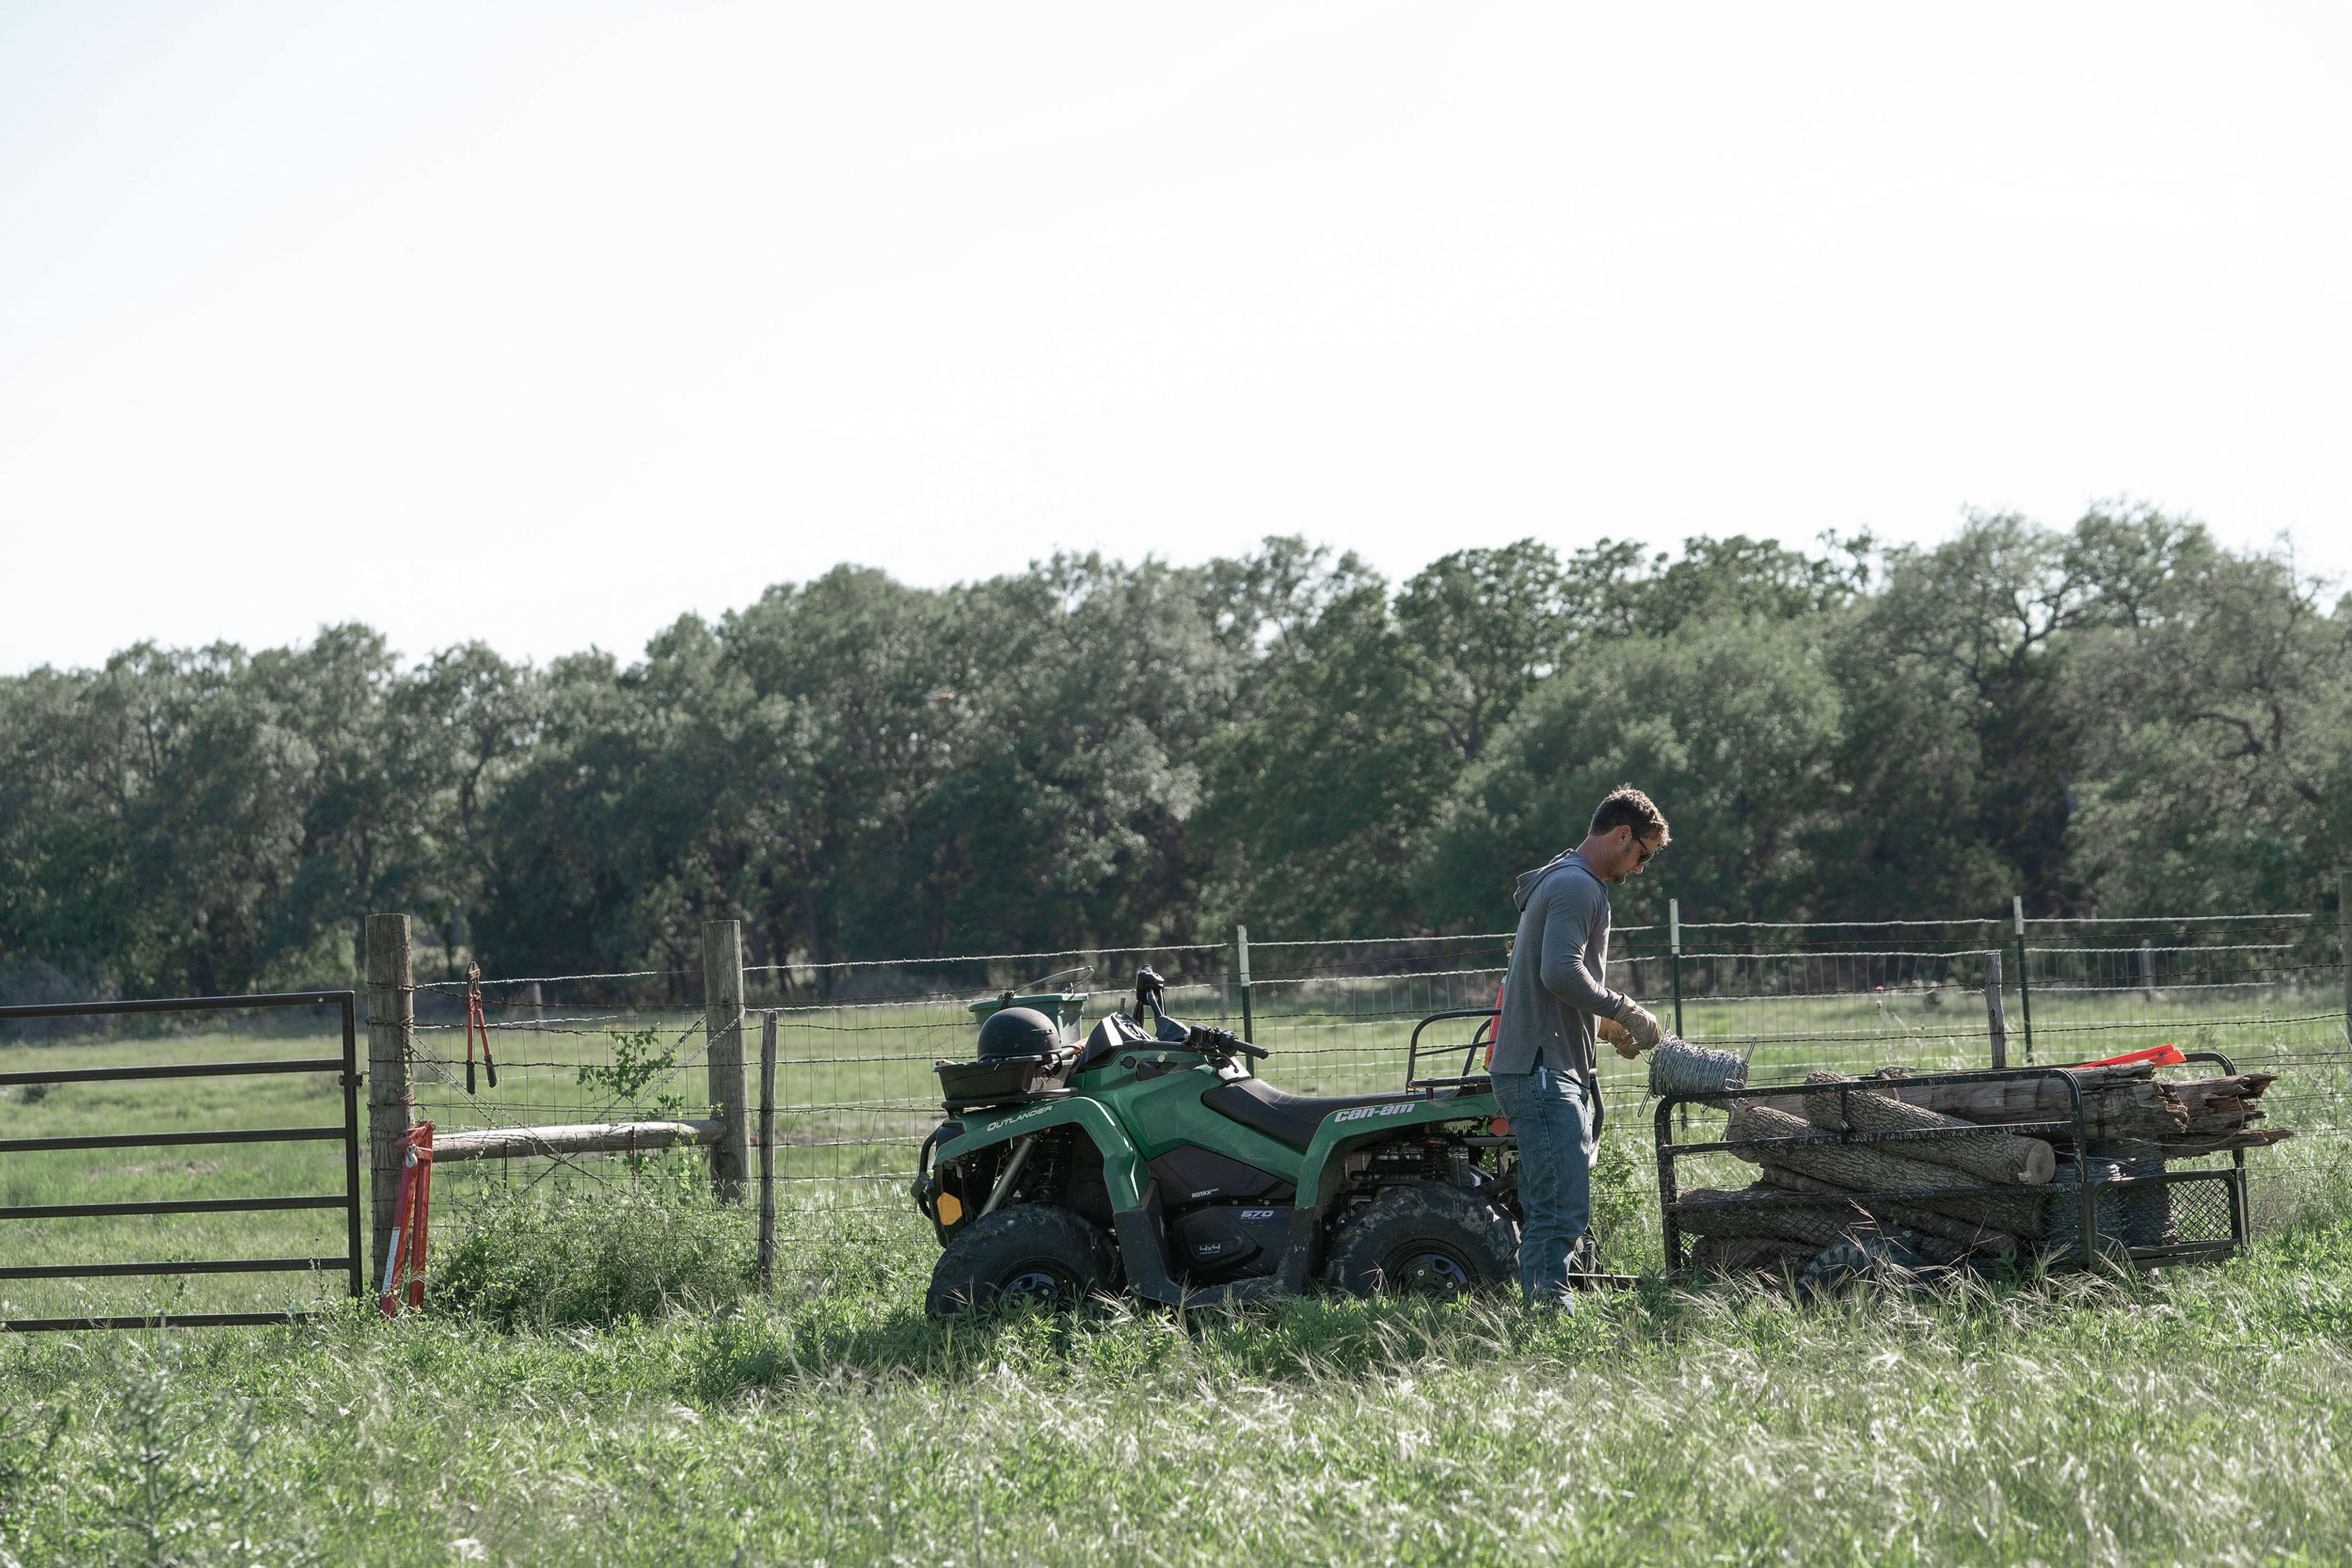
x,y
1017,1032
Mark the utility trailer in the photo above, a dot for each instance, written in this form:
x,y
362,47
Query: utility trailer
x,y
2205,1210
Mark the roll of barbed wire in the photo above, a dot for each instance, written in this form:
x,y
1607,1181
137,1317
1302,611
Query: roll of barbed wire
x,y
1677,1067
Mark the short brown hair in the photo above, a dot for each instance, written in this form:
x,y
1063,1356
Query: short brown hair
x,y
1627,807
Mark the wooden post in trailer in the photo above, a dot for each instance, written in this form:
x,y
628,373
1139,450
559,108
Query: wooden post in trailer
x,y
723,1026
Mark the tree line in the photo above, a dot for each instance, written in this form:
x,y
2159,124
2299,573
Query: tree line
x,y
2118,716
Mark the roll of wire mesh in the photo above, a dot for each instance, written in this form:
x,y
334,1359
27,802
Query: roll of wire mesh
x,y
1677,1067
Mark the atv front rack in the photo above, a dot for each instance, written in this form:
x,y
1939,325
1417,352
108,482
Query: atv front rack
x,y
2211,1203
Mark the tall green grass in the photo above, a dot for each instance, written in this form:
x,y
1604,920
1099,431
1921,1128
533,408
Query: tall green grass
x,y
2199,1415
598,1381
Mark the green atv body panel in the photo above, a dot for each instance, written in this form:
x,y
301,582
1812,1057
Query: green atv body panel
x,y
1134,1122
1125,1172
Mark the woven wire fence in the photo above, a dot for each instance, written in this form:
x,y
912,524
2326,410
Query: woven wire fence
x,y
857,1041
568,1050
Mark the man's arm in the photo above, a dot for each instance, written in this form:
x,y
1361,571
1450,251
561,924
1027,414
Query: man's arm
x,y
1567,925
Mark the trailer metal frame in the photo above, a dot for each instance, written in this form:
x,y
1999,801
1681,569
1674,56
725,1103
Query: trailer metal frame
x,y
2086,1254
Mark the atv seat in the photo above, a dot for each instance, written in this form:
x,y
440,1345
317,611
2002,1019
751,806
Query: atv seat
x,y
1288,1119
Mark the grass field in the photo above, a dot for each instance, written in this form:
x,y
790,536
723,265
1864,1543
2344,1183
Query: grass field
x,y
2202,1415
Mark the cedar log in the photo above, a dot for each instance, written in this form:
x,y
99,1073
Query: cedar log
x,y
2221,1143
1866,1167
1965,1233
1997,1157
2217,1106
2119,1104
1708,1212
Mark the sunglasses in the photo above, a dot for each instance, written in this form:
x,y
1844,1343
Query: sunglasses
x,y
1647,852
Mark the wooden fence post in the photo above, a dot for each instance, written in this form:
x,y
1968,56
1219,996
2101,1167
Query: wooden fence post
x,y
723,1026
2146,970
767,1152
1993,1016
391,1017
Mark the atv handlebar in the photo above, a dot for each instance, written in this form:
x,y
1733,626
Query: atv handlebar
x,y
1224,1042
1151,993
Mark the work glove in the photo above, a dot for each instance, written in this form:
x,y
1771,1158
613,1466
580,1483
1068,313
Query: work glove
x,y
1638,1023
1613,1033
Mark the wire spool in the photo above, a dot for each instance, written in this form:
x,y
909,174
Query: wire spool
x,y
1677,1067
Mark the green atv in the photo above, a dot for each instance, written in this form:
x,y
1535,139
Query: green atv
x,y
1149,1159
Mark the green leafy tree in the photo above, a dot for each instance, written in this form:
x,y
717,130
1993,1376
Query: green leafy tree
x,y
1320,791
1731,726
2118,713
2218,740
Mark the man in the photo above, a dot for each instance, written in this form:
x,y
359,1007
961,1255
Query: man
x,y
1555,1000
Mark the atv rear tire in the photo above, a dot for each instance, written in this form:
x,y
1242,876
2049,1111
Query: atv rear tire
x,y
1427,1239
1025,1253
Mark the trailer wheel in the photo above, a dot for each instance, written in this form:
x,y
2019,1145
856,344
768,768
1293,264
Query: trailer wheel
x,y
1427,1239
1024,1254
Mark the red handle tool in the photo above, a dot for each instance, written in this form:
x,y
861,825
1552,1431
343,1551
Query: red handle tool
x,y
411,1214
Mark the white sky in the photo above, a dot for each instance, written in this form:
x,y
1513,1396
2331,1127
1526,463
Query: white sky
x,y
545,322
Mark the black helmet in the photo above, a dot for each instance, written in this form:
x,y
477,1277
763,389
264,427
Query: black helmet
x,y
1017,1032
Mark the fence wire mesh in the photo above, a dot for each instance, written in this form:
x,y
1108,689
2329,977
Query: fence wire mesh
x,y
856,1041
855,1093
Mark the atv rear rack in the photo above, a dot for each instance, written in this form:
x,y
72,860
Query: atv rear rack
x,y
1003,1080
1469,1079
2214,1206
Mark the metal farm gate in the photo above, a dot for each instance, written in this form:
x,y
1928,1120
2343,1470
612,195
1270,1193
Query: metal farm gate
x,y
352,1261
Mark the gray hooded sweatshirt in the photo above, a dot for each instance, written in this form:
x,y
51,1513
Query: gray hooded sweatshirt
x,y
1556,985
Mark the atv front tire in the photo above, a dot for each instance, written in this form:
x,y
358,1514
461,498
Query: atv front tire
x,y
1025,1253
1427,1239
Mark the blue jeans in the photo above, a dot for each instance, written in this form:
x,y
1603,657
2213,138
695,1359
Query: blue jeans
x,y
1554,1122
